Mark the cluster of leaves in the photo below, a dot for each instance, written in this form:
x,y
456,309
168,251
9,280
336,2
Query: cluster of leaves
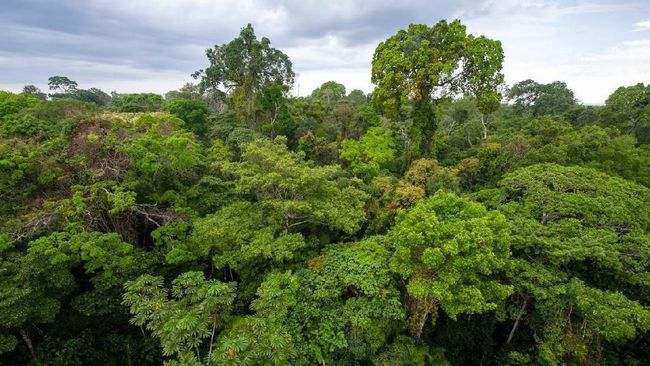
x,y
232,224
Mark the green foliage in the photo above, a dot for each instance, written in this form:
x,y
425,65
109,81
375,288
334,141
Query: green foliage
x,y
538,99
187,91
429,175
92,95
184,317
261,339
581,240
628,109
11,103
88,347
62,84
275,111
138,102
223,231
194,112
18,172
33,90
105,252
420,62
295,192
235,236
35,283
30,292
372,154
245,66
330,91
405,352
163,156
448,250
348,305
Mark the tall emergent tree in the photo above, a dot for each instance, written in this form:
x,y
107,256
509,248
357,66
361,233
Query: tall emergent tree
x,y
330,91
628,109
62,84
422,65
243,69
531,97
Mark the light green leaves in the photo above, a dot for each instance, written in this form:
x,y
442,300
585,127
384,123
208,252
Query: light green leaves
x,y
263,338
372,154
448,249
294,191
422,63
183,318
235,236
105,254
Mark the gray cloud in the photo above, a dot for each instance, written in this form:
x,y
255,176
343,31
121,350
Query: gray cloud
x,y
361,22
155,45
172,36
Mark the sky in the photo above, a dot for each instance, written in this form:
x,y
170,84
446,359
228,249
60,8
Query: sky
x,y
155,45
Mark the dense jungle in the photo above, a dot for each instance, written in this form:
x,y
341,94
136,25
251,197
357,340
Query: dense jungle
x,y
446,218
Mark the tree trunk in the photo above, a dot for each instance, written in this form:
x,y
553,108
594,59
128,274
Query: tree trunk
x,y
423,321
420,311
484,122
28,342
516,325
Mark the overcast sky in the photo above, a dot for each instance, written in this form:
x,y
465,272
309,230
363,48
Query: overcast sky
x,y
154,45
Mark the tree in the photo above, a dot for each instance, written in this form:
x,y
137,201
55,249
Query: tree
x,y
262,338
193,111
30,294
92,95
274,110
580,245
449,250
330,91
357,97
62,85
483,67
101,97
162,157
185,319
425,64
456,115
295,192
187,91
11,103
538,99
243,68
429,175
348,307
371,154
33,90
137,102
238,237
35,283
628,109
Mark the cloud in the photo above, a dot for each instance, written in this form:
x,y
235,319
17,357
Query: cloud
x,y
642,26
581,43
631,51
170,37
594,76
154,45
111,77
